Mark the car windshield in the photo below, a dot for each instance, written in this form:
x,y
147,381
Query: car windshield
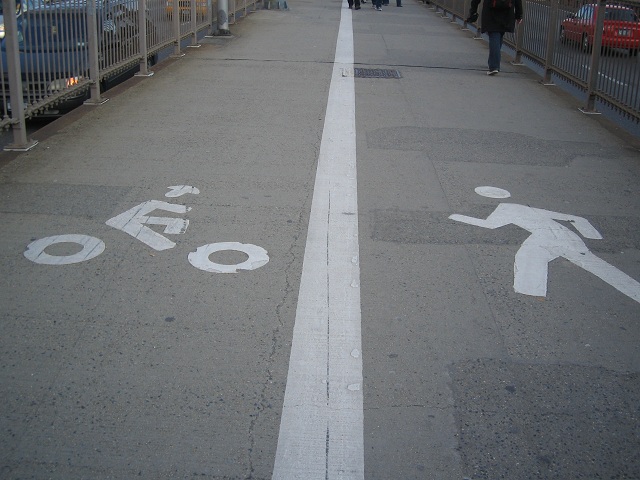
x,y
620,15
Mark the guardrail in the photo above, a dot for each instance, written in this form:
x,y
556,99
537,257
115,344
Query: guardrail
x,y
57,54
593,46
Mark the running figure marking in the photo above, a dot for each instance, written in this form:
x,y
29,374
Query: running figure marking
x,y
548,241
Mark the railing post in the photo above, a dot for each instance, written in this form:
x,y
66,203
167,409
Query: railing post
x,y
142,30
177,51
20,142
519,38
194,25
594,69
444,9
453,11
478,35
94,64
210,18
223,17
551,43
466,6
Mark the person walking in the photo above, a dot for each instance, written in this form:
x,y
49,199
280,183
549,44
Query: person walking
x,y
351,3
498,17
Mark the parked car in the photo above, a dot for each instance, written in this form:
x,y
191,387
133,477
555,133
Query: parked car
x,y
621,28
185,8
53,44
21,7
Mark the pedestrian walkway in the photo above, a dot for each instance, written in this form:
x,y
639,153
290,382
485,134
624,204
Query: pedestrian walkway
x,y
154,248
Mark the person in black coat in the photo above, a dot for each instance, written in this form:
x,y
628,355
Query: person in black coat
x,y
498,17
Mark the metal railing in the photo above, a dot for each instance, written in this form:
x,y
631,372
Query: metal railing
x,y
57,54
591,45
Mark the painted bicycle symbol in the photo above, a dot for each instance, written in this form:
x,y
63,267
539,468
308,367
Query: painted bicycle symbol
x,y
134,222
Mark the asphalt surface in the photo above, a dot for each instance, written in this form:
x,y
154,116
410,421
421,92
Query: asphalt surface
x,y
134,363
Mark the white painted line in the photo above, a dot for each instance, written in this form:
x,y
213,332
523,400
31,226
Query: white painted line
x,y
606,77
321,431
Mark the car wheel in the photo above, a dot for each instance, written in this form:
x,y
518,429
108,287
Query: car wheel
x,y
563,35
585,43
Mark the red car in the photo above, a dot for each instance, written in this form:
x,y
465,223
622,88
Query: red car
x,y
621,28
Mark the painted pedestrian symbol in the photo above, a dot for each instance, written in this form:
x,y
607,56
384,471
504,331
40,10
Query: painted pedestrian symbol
x,y
548,241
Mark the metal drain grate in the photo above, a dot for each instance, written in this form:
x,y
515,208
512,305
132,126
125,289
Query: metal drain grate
x,y
375,73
